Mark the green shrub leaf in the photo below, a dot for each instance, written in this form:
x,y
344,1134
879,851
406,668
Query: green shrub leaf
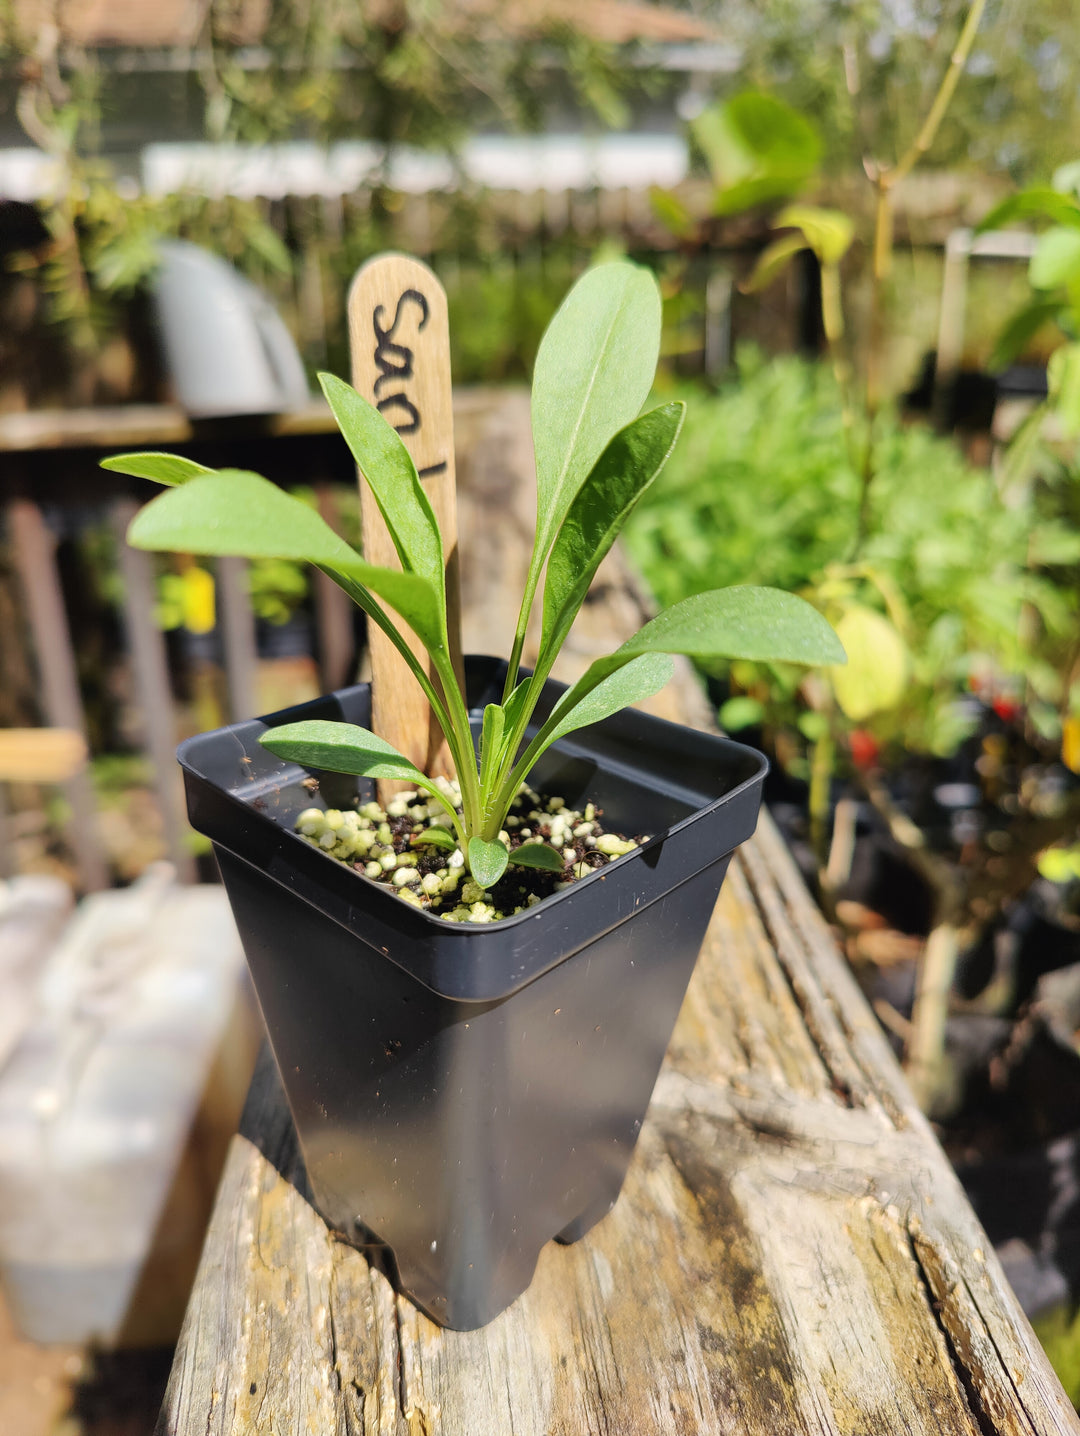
x,y
162,468
828,232
772,261
1038,202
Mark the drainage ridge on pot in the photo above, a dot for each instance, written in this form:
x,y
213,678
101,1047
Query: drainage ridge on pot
x,y
467,1092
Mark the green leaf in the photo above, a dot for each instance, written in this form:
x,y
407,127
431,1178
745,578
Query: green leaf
x,y
435,837
757,148
487,861
1063,380
741,711
1056,260
630,682
828,232
1038,202
765,624
772,261
340,748
235,512
538,855
876,675
162,468
491,734
593,372
626,468
387,466
1021,329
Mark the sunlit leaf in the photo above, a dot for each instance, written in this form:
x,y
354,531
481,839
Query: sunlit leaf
x,y
1038,202
757,148
340,748
828,232
162,468
538,855
622,473
1063,381
235,512
389,471
772,261
629,682
487,861
1056,260
876,674
593,372
434,837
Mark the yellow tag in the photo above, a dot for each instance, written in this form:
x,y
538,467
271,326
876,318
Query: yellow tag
x,y
198,600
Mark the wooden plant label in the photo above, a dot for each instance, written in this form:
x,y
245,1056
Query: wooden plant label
x,y
399,339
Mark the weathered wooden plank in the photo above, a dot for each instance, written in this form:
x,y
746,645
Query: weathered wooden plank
x,y
130,426
35,559
791,1252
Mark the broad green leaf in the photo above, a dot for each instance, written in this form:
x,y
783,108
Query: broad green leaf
x,y
387,466
1063,380
757,149
435,837
1021,329
593,372
538,855
1039,202
630,682
491,734
162,468
487,861
626,468
340,748
876,674
765,624
235,512
1056,260
772,261
828,232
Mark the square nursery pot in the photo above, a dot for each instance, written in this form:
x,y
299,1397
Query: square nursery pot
x,y
464,1092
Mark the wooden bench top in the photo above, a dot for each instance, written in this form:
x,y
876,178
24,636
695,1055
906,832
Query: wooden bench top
x,y
791,1252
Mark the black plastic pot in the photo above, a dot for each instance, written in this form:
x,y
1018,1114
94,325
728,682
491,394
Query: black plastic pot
x,y
467,1092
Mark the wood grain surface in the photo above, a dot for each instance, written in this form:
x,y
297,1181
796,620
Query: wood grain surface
x,y
791,1253
399,340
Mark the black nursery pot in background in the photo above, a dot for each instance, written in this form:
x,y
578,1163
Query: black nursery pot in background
x,y
466,1092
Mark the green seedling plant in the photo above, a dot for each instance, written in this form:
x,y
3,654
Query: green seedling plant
x,y
596,454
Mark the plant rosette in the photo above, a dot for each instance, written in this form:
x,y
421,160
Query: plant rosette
x,y
468,1088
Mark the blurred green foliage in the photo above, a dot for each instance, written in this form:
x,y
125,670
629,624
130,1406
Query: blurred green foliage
x,y
761,490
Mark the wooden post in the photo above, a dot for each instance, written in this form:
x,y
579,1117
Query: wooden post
x,y
238,638
35,559
333,613
152,688
400,342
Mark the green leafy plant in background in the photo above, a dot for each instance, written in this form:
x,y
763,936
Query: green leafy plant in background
x,y
760,488
595,457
